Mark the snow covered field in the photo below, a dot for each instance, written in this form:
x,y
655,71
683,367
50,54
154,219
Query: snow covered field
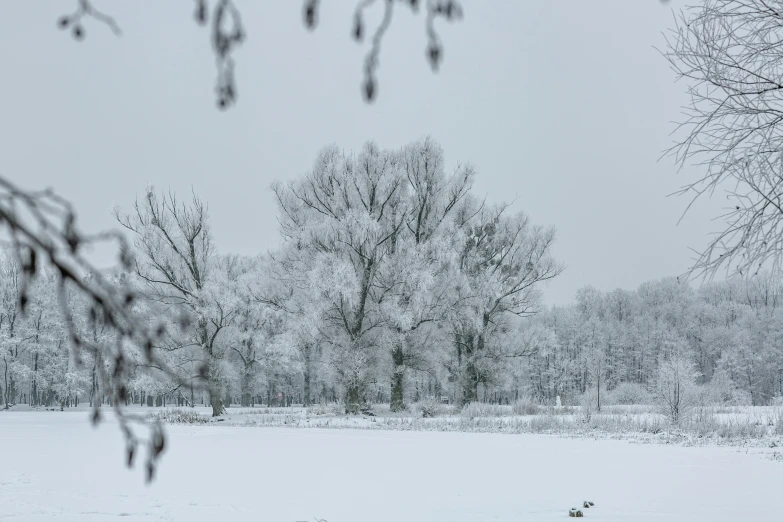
x,y
55,466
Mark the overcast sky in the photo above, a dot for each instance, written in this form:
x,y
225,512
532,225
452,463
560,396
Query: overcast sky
x,y
564,106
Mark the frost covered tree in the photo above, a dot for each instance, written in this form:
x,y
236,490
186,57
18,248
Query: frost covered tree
x,y
502,262
44,239
596,360
175,263
42,225
254,328
730,330
390,247
422,259
285,293
38,366
674,388
381,241
341,219
10,278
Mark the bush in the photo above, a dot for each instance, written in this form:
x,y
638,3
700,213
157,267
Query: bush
x,y
325,409
777,419
721,391
546,423
629,393
588,404
675,390
170,416
483,409
429,408
525,406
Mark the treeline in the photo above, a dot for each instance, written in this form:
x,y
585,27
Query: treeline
x,y
394,282
731,332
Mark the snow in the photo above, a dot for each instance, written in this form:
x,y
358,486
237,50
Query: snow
x,y
55,466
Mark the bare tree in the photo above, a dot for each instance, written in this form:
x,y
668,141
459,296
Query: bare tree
x,y
674,389
730,53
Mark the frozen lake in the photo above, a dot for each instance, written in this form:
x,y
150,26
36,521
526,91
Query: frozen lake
x,y
55,466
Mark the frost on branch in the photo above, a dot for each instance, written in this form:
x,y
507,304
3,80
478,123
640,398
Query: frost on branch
x,y
727,53
227,32
100,316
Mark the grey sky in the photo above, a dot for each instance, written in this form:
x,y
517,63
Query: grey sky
x,y
563,105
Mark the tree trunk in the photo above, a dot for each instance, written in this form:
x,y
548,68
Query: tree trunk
x,y
470,377
246,397
470,384
11,390
217,405
599,393
34,387
397,380
5,377
306,401
214,395
353,400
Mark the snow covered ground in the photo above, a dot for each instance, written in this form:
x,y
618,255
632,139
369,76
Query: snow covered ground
x,y
55,466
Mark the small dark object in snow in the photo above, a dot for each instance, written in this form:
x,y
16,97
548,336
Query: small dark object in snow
x,y
575,512
588,504
368,413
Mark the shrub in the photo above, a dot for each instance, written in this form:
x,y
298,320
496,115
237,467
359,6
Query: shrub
x,y
325,409
546,423
483,409
629,393
170,416
721,391
777,419
525,406
588,404
675,391
430,408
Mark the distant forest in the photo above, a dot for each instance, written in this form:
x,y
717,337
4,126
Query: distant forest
x,y
395,284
